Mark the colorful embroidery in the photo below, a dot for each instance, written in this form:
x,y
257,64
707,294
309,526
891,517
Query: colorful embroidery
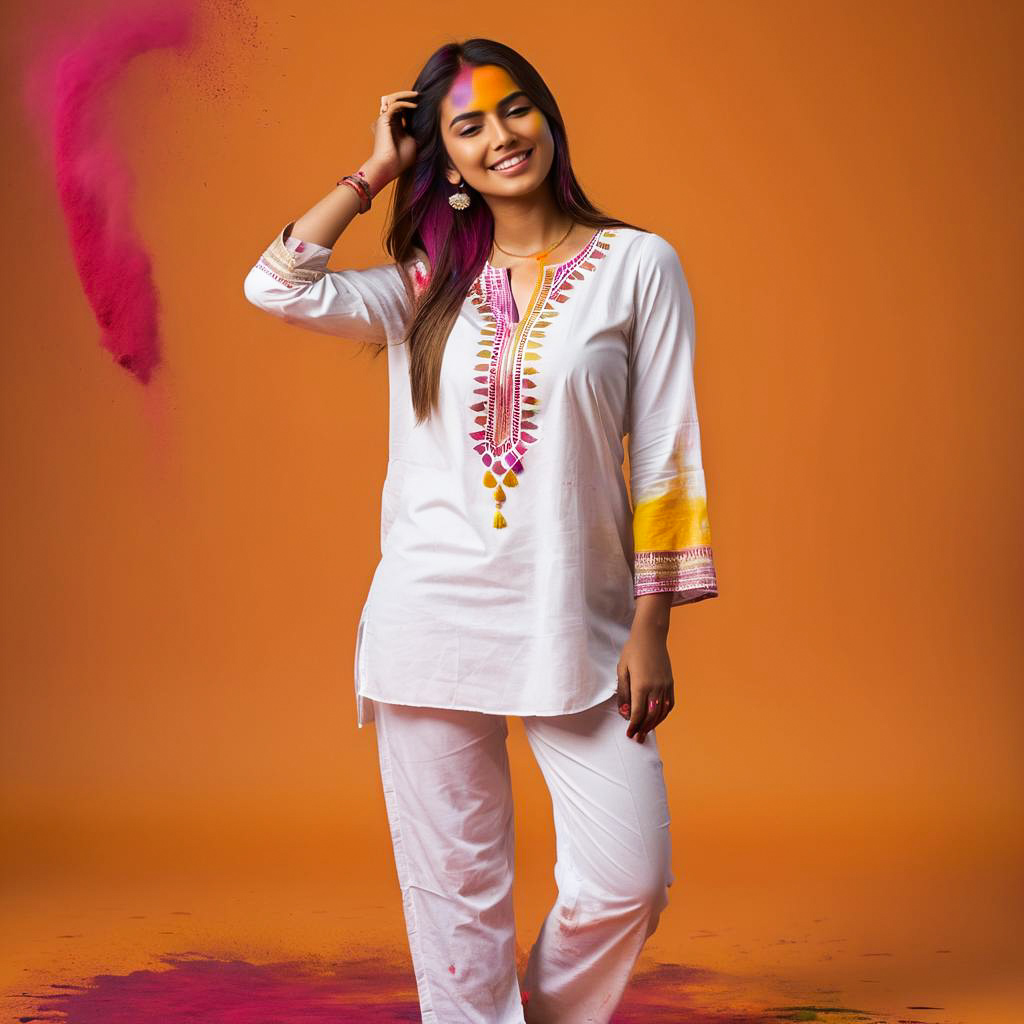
x,y
279,262
687,573
505,414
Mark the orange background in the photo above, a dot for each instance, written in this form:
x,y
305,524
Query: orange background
x,y
184,569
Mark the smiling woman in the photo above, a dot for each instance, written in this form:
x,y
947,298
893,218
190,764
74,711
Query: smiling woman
x,y
527,336
501,125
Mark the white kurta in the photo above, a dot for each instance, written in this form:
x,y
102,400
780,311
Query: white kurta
x,y
510,553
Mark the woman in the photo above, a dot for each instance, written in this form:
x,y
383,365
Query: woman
x,y
526,334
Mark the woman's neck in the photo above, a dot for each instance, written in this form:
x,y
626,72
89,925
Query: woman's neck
x,y
526,225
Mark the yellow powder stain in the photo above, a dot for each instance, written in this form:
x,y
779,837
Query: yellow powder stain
x,y
674,520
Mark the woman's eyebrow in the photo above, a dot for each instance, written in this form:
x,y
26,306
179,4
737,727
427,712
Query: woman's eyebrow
x,y
477,113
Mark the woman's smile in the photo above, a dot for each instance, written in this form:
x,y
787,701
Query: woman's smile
x,y
518,163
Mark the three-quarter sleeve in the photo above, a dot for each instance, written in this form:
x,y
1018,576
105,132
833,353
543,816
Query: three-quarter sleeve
x,y
291,281
671,530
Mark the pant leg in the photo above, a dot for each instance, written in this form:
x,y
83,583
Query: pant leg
x,y
448,794
613,863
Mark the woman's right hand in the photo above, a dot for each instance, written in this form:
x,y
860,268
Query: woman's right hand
x,y
394,149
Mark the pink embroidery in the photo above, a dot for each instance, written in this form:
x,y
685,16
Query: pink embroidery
x,y
264,266
688,574
506,414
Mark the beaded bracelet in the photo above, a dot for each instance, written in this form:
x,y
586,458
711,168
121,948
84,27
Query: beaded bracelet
x,y
360,186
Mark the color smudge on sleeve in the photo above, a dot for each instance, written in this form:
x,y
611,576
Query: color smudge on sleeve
x,y
677,518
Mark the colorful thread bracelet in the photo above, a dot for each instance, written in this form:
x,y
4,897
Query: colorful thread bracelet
x,y
358,179
362,199
361,187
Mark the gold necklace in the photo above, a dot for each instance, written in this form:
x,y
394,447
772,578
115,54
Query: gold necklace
x,y
543,252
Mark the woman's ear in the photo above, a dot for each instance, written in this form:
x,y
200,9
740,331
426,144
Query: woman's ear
x,y
451,172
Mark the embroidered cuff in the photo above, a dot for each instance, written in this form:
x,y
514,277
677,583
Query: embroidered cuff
x,y
293,262
689,574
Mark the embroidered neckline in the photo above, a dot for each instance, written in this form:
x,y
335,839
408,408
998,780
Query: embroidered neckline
x,y
545,263
504,414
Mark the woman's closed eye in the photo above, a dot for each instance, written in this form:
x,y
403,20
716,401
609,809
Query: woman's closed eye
x,y
517,112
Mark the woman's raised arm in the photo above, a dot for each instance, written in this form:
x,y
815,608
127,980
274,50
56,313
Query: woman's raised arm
x,y
291,280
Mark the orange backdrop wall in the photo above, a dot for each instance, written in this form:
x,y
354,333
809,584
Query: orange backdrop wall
x,y
183,567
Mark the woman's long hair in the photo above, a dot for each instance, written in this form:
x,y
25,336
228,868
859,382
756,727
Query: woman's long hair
x,y
458,242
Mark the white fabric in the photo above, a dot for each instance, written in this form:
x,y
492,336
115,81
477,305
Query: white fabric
x,y
528,617
445,776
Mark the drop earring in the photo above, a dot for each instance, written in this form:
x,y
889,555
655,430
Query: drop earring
x,y
459,200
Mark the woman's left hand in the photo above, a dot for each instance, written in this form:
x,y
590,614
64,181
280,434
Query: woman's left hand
x,y
646,692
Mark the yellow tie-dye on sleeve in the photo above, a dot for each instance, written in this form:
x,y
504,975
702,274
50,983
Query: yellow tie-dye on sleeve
x,y
672,540
673,522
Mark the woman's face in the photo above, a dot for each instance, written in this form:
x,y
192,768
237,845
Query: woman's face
x,y
486,118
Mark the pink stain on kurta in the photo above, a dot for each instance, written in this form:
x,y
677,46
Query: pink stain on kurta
x,y
68,87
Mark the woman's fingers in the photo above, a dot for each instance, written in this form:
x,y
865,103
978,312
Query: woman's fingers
x,y
404,97
658,705
398,103
662,706
386,115
623,693
652,704
638,714
644,709
390,100
653,715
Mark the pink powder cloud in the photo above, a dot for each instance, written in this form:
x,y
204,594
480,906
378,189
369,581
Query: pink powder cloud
x,y
66,89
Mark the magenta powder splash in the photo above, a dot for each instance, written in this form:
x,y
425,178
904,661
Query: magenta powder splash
x,y
371,990
93,181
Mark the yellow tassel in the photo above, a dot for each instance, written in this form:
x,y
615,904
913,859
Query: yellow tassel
x,y
499,494
510,479
499,519
489,480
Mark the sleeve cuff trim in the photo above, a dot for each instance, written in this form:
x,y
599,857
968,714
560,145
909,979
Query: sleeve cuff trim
x,y
689,574
281,263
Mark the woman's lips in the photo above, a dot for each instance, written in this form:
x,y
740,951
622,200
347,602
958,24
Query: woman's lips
x,y
517,167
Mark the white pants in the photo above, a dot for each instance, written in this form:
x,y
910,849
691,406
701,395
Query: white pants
x,y
445,776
